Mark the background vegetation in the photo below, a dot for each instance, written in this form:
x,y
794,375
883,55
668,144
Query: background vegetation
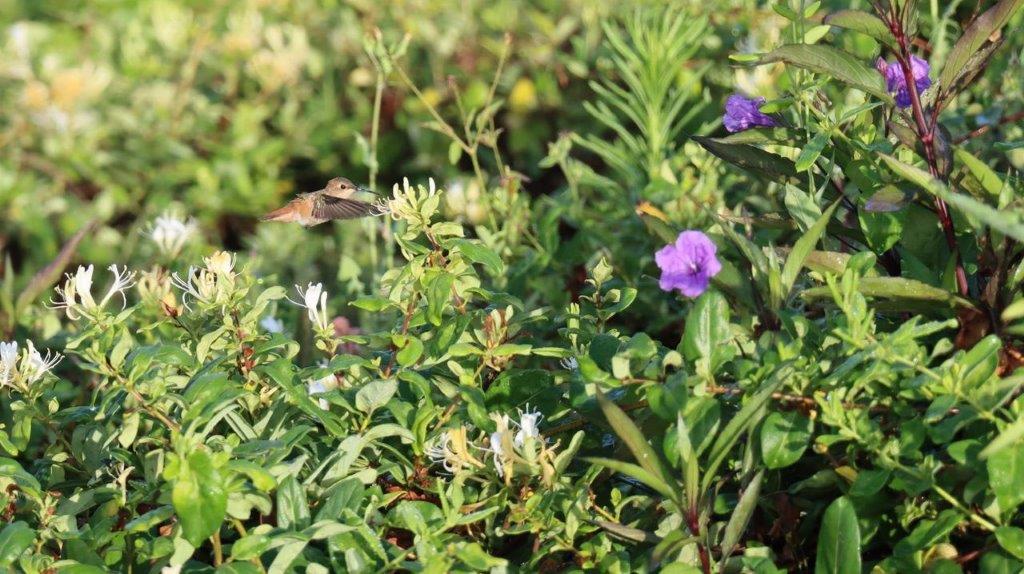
x,y
495,380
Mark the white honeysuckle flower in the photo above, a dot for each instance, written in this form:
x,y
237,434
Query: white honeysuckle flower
x,y
83,285
75,297
34,365
170,233
496,447
314,301
8,362
570,364
441,452
528,422
272,324
211,284
171,569
123,280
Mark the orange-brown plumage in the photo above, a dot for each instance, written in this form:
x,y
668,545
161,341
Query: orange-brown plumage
x,y
332,202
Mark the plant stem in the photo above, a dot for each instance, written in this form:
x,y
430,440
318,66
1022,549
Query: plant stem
x,y
926,133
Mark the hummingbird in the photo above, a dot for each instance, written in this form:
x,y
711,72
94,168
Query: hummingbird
x,y
334,201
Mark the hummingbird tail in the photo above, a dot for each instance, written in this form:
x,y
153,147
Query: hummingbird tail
x,y
282,214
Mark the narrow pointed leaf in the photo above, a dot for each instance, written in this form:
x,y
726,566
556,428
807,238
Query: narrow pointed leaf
x,y
973,38
862,22
635,440
740,517
750,158
739,424
803,247
1008,223
822,59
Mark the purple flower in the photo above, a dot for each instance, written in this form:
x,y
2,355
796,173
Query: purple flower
x,y
744,113
688,264
896,82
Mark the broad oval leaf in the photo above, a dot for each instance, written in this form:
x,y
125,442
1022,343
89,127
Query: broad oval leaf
x,y
839,540
199,497
784,437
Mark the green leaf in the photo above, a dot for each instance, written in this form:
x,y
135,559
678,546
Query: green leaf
x,y
989,180
740,517
639,473
896,288
410,349
292,508
15,538
839,540
750,158
1007,223
199,497
439,293
888,199
803,247
238,568
784,437
479,253
1011,539
833,62
973,38
810,152
1005,475
748,416
1010,435
707,331
635,440
862,22
375,394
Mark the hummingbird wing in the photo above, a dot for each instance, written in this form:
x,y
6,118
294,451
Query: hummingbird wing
x,y
330,207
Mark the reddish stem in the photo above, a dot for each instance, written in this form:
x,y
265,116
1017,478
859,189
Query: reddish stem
x,y
926,133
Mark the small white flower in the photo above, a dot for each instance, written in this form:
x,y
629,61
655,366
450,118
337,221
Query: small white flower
x,y
171,569
441,452
528,422
123,280
570,364
272,324
496,437
170,233
212,284
314,301
34,365
321,386
75,297
8,362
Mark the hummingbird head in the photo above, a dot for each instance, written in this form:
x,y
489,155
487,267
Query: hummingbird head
x,y
344,184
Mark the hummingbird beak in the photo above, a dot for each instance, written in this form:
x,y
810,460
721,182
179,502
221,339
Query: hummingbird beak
x,y
366,190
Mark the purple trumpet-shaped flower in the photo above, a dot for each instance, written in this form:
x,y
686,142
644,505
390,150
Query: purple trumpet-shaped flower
x,y
744,113
688,264
896,82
